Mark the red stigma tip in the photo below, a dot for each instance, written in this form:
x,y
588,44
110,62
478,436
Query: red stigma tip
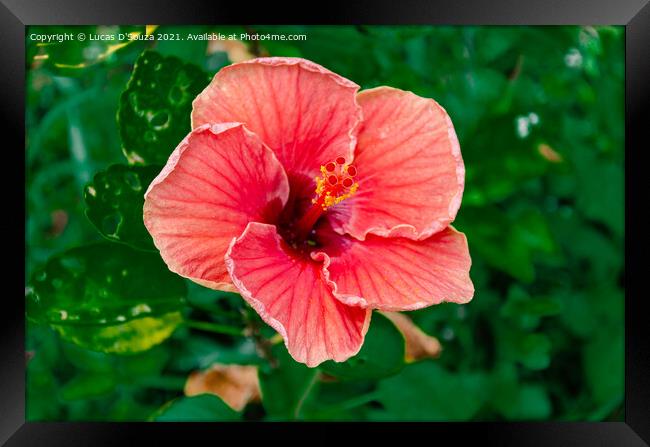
x,y
340,160
347,182
330,167
332,179
352,171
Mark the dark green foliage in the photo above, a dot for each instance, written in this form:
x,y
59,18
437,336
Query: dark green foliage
x,y
154,113
286,385
203,408
382,354
539,115
114,202
425,391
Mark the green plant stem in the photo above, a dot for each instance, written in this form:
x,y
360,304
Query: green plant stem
x,y
253,330
304,395
358,401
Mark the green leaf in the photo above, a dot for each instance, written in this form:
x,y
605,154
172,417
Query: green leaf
x,y
228,306
533,307
597,199
199,352
154,111
526,310
147,363
107,297
382,354
341,400
114,202
498,162
533,402
604,363
507,241
88,385
134,336
124,368
87,360
589,312
426,391
516,401
285,386
495,42
128,409
41,385
202,408
600,257
532,350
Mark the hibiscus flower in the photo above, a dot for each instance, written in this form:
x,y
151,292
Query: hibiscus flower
x,y
316,202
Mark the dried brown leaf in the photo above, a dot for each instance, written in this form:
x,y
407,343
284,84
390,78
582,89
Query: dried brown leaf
x,y
236,385
419,345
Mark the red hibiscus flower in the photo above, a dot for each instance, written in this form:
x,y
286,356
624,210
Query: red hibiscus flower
x,y
315,202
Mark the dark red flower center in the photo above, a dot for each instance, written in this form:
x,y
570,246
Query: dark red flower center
x,y
334,185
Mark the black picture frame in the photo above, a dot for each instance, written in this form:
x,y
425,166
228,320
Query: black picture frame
x,y
633,14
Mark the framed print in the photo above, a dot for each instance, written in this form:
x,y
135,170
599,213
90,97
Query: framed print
x,y
385,218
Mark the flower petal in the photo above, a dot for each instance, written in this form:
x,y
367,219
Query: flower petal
x,y
410,170
397,273
217,180
302,111
288,291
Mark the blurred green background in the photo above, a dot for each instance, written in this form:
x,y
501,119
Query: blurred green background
x,y
112,335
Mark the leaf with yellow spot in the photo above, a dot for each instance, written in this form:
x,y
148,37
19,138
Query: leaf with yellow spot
x,y
107,297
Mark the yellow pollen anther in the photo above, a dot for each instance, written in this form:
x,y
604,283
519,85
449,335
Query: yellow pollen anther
x,y
334,185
